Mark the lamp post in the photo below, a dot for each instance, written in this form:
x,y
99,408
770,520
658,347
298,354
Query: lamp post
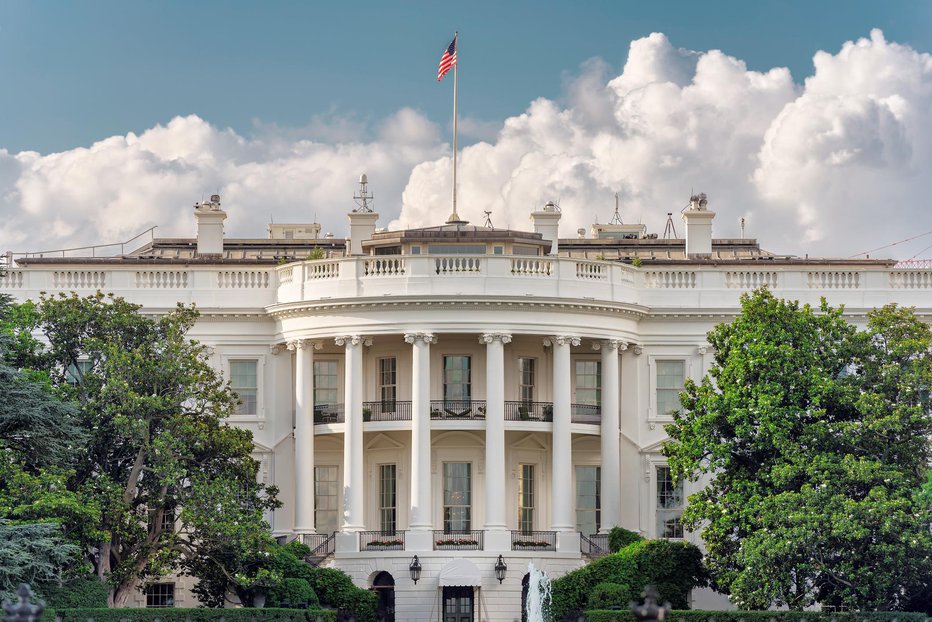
x,y
415,569
500,569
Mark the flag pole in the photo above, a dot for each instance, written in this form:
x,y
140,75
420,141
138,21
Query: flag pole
x,y
454,216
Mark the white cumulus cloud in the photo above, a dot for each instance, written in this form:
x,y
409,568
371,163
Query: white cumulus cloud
x,y
835,165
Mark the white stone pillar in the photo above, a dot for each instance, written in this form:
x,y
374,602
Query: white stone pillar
x,y
353,473
420,431
495,506
562,501
611,444
304,434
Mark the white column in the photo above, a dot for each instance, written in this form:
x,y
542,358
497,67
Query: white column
x,y
352,433
562,497
304,434
611,445
495,473
420,430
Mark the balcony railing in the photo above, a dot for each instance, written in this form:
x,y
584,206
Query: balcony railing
x,y
387,410
533,540
586,413
321,544
457,540
457,409
328,413
381,540
528,411
595,545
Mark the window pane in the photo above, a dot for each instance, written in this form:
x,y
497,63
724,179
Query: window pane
x,y
457,496
326,384
669,504
244,383
526,498
326,504
456,378
387,498
588,499
589,382
670,378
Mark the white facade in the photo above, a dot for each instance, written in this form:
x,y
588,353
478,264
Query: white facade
x,y
458,398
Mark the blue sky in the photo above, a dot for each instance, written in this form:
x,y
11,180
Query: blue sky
x,y
117,116
74,72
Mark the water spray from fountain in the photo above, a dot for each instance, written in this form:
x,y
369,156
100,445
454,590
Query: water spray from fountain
x,y
538,594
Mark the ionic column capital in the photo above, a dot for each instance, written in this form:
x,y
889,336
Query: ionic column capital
x,y
490,337
354,340
425,337
610,344
562,340
705,348
300,344
638,349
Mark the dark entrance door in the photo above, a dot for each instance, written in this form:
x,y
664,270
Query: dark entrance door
x,y
384,586
458,604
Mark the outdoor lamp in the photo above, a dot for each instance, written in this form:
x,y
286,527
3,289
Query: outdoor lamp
x,y
500,569
415,569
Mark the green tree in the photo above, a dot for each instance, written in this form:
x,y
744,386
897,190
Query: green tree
x,y
815,438
157,446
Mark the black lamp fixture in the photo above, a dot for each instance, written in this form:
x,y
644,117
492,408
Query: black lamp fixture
x,y
415,569
500,569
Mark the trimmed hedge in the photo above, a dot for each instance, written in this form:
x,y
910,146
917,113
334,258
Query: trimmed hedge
x,y
763,616
674,568
86,592
170,614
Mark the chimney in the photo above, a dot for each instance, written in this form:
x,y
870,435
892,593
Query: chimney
x,y
698,221
209,219
362,219
547,224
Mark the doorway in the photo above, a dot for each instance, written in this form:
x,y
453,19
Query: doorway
x,y
458,604
384,587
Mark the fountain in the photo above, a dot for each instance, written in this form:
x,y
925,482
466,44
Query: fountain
x,y
538,594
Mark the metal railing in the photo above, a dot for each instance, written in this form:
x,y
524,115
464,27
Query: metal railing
x,y
322,546
457,540
394,410
528,411
381,540
328,413
457,409
595,545
533,540
586,413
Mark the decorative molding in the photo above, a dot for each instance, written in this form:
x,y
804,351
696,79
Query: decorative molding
x,y
427,338
638,349
704,349
487,338
610,344
276,348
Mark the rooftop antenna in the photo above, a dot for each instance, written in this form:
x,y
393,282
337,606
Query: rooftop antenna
x,y
669,229
616,219
488,219
363,198
742,227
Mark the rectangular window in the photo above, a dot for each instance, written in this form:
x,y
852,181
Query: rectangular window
x,y
524,250
457,497
456,249
415,250
526,498
526,379
456,378
388,499
244,381
588,499
670,378
388,384
498,250
74,375
326,498
589,383
160,595
326,384
669,505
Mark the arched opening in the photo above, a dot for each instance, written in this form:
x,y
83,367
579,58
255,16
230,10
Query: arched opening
x,y
384,586
525,584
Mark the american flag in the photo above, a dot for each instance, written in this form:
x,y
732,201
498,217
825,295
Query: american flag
x,y
448,60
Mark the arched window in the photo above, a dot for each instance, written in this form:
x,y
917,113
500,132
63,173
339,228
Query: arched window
x,y
384,586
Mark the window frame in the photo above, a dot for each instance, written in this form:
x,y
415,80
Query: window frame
x,y
524,509
598,377
443,497
317,496
598,495
522,385
656,506
168,595
443,377
653,414
243,354
394,498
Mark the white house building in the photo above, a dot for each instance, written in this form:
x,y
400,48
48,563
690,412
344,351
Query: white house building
x,y
465,396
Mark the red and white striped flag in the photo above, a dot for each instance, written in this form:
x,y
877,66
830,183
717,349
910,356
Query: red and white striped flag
x,y
448,60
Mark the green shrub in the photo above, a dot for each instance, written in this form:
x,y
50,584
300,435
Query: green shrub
x,y
293,592
88,592
335,589
674,568
609,596
619,538
189,615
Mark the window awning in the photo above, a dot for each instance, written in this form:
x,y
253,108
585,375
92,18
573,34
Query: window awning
x,y
460,572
